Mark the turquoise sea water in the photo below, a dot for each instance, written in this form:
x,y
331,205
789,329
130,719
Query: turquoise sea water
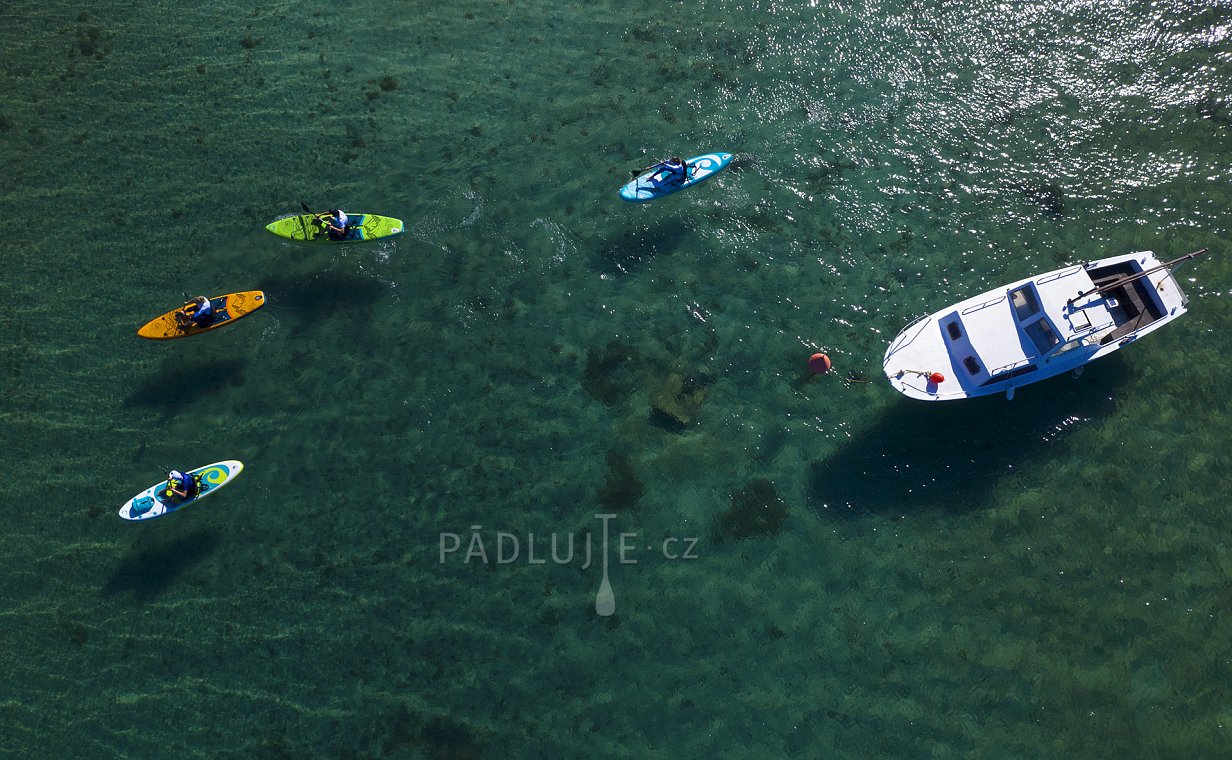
x,y
866,576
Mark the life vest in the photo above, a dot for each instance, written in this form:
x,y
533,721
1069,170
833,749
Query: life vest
x,y
184,482
175,479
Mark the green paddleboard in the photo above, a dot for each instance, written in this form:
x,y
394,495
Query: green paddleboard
x,y
309,228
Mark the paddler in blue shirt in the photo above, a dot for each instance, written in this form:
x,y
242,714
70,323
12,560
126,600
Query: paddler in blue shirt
x,y
674,173
336,225
199,312
180,487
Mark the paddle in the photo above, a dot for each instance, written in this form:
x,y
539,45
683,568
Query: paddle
x,y
644,169
182,320
316,215
316,219
167,473
653,167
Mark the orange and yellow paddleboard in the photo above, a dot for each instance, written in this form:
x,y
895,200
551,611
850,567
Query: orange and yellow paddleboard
x,y
227,309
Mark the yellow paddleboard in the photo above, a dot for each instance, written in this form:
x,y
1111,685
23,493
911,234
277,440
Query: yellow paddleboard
x,y
227,309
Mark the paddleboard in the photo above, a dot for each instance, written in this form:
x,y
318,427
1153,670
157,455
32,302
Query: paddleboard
x,y
227,309
149,503
310,228
700,169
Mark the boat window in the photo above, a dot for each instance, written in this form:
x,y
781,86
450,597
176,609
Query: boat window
x,y
952,329
1024,302
1041,332
1070,346
972,365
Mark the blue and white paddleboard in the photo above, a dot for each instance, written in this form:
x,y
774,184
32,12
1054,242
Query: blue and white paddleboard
x,y
149,503
699,168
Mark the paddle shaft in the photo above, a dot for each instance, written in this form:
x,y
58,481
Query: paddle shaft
x,y
652,167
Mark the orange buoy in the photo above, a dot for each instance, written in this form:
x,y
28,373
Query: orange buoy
x,y
819,364
936,378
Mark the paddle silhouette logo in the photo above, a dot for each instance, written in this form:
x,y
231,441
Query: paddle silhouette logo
x,y
505,548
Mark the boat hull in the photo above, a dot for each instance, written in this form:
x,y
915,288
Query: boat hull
x,y
1031,330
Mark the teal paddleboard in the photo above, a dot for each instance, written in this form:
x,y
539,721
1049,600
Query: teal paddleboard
x,y
656,183
152,502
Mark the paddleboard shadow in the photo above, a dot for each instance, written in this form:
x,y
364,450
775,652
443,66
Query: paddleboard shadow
x,y
151,571
323,293
633,250
183,382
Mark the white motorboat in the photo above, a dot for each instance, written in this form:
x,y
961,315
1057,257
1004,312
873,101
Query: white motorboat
x,y
1035,328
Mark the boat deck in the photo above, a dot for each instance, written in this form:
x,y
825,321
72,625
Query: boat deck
x,y
1135,305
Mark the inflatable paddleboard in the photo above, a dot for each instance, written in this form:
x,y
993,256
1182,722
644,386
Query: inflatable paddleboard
x,y
648,186
149,503
227,309
310,228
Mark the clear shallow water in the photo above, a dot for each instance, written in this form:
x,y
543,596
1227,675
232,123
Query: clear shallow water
x,y
1045,576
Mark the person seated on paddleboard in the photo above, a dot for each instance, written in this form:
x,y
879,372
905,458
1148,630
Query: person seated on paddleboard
x,y
670,173
199,312
180,487
336,224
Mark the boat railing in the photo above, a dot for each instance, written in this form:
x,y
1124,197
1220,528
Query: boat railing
x,y
1009,367
984,305
1058,275
903,339
1092,330
912,322
1176,283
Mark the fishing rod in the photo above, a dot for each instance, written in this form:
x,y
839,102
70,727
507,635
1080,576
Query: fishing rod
x,y
1131,277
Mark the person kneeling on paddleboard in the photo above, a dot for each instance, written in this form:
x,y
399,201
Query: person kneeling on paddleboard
x,y
180,487
675,173
337,225
199,312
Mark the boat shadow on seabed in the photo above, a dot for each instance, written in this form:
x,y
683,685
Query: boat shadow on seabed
x,y
948,455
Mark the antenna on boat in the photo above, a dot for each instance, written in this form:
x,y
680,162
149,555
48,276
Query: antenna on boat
x,y
1131,277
